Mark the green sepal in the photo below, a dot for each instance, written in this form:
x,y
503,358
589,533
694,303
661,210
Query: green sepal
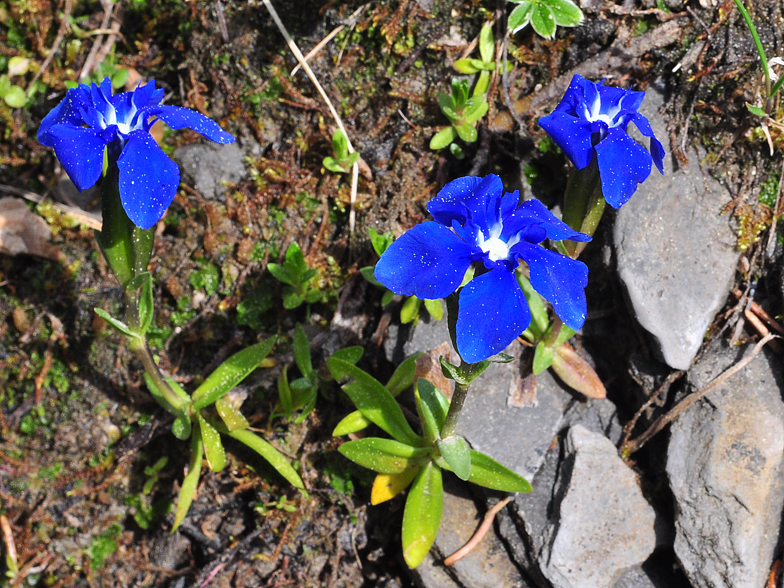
x,y
145,304
374,401
116,324
543,358
466,373
422,515
385,456
432,408
403,376
409,312
457,454
190,483
230,373
213,448
500,358
351,423
434,308
230,415
274,457
543,20
520,16
443,138
539,319
467,133
566,13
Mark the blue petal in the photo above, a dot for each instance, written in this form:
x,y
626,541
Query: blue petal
x,y
148,180
102,97
612,98
574,97
80,150
558,278
464,196
533,211
657,150
492,313
623,163
141,95
428,261
572,135
178,118
68,111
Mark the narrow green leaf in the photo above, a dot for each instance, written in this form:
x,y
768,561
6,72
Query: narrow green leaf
x,y
15,97
368,273
457,454
443,138
467,133
161,399
540,321
350,354
486,44
488,473
340,144
500,358
302,351
475,109
373,401
429,412
275,458
292,298
387,298
332,165
403,376
566,13
284,392
422,516
181,426
190,483
213,448
465,66
409,312
280,273
351,423
460,89
118,325
385,456
756,110
436,402
231,416
145,302
543,20
434,308
543,358
520,16
230,373
308,407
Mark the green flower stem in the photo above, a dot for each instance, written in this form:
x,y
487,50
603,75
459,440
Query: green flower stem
x,y
139,347
583,204
457,402
760,51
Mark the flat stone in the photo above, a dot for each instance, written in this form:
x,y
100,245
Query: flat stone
x,y
676,253
602,525
725,465
205,166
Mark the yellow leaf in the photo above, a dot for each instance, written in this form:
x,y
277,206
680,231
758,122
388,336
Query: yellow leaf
x,y
387,486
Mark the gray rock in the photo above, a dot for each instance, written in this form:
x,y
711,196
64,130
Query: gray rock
x,y
676,253
724,463
205,166
602,525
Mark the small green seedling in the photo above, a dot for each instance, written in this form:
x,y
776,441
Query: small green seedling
x,y
296,275
545,16
484,65
463,113
343,160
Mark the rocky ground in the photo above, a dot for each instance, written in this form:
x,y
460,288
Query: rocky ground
x,y
680,277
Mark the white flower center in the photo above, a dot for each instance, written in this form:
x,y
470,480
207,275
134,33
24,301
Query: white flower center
x,y
592,112
495,248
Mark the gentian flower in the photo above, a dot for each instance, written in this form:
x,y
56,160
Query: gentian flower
x,y
591,120
89,119
476,222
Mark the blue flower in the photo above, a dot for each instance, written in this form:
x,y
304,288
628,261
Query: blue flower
x,y
90,119
476,222
592,119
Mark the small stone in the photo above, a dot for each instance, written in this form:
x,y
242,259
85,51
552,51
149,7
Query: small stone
x,y
206,166
725,465
676,252
602,524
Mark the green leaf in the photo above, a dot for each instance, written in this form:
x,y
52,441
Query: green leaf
x,y
430,410
291,298
539,319
5,85
181,426
443,138
350,354
566,13
190,483
231,416
230,373
543,20
422,516
460,90
387,298
385,456
332,165
373,401
207,278
466,66
302,351
434,308
308,407
15,97
369,274
296,266
466,373
543,358
520,16
351,423
467,133
475,109
280,273
284,392
403,376
756,110
351,159
379,242
275,458
340,144
120,77
409,312
213,448
161,399
457,454
118,325
456,151
486,44
448,106
500,358
488,473
146,306
433,398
